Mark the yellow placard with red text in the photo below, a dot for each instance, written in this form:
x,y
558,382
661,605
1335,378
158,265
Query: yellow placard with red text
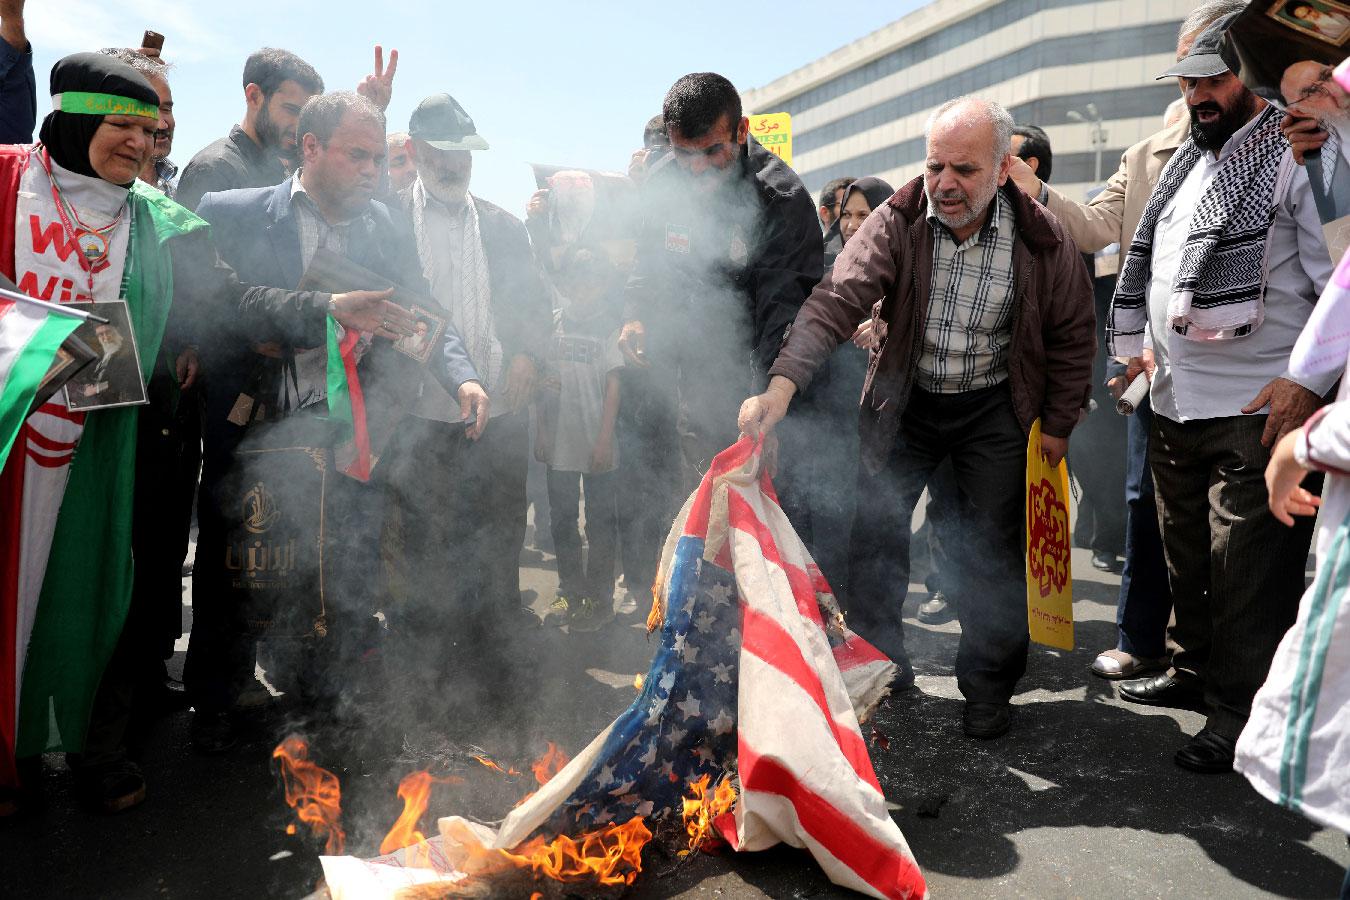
x,y
774,131
1049,573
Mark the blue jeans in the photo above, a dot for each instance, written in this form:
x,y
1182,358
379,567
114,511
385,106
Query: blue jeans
x,y
1145,601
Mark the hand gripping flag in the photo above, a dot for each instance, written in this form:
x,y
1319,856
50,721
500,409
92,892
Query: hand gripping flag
x,y
756,678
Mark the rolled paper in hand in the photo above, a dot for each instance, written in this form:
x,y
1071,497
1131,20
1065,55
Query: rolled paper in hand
x,y
1133,396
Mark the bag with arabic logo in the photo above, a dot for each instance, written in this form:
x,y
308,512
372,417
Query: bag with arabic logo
x,y
274,505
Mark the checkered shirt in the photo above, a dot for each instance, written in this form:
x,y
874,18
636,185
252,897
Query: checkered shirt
x,y
970,306
314,231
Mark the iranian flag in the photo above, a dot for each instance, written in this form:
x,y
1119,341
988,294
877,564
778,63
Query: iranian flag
x,y
30,334
346,403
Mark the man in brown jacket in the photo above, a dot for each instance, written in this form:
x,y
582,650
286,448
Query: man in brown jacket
x,y
989,319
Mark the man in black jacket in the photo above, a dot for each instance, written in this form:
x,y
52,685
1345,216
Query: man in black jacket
x,y
277,83
464,535
729,251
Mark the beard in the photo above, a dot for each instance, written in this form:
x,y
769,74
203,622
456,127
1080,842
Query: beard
x,y
448,189
270,135
111,345
976,204
1213,135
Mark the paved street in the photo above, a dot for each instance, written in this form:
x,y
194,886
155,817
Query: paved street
x,y
1081,799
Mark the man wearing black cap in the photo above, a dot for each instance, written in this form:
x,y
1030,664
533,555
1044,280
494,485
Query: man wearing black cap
x,y
66,516
477,260
1215,331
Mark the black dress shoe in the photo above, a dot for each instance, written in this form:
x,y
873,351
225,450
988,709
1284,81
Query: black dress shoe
x,y
985,720
1104,561
1207,753
1164,690
936,610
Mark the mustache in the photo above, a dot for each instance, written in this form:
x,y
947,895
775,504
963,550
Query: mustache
x,y
951,194
1206,106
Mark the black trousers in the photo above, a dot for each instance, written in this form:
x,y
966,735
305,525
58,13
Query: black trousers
x,y
594,579
455,520
979,433
1236,573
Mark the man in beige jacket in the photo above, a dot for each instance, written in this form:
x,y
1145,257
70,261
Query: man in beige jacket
x,y
1111,217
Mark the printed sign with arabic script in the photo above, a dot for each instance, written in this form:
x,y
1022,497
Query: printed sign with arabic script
x,y
1049,575
774,131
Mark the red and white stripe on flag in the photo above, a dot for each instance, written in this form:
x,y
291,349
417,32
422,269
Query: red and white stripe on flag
x,y
811,783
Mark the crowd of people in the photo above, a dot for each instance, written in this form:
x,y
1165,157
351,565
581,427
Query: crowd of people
x,y
327,318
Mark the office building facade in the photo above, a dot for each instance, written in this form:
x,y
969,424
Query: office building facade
x,y
861,109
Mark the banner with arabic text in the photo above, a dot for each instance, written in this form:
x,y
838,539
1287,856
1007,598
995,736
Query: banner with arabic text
x,y
1049,574
774,131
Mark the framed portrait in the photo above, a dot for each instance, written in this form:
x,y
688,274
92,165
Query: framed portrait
x,y
1327,21
113,379
427,328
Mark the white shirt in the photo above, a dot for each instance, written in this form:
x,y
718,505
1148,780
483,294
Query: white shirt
x,y
1214,379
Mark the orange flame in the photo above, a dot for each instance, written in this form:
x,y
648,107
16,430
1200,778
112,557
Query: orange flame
x,y
494,767
550,764
313,792
702,807
415,792
608,856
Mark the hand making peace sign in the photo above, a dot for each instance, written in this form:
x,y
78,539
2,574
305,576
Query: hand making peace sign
x,y
378,88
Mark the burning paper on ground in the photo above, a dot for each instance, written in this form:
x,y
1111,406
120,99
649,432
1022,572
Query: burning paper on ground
x,y
745,730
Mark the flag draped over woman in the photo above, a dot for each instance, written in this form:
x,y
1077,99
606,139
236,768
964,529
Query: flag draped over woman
x,y
69,234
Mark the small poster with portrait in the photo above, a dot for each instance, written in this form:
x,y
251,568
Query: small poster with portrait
x,y
1325,20
427,328
114,378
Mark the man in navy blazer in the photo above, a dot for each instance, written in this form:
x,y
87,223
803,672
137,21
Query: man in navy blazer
x,y
269,236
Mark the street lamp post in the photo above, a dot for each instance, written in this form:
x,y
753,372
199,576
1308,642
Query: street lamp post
x,y
1094,119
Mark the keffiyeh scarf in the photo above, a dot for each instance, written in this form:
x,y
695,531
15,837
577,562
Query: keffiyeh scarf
x,y
1219,289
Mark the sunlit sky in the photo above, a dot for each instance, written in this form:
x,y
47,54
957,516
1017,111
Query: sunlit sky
x,y
562,83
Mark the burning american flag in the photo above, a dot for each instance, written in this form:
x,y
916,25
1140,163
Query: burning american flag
x,y
756,680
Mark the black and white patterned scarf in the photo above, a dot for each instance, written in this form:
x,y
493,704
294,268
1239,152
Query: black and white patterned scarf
x,y
1219,289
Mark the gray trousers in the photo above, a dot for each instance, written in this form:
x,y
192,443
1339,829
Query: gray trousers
x,y
1236,573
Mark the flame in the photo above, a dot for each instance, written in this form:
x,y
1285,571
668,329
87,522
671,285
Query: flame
x,y
638,681
415,792
550,764
702,807
494,767
313,792
545,767
607,856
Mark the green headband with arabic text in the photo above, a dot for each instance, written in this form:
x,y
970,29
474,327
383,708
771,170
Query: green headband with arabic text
x,y
89,104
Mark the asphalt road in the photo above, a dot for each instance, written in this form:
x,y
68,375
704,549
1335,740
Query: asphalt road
x,y
1080,799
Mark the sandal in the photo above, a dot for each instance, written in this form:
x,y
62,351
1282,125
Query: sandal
x,y
1117,664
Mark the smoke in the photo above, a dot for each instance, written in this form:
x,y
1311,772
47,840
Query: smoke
x,y
408,644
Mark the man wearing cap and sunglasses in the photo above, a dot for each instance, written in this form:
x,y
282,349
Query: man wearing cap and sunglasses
x,y
477,260
1215,330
